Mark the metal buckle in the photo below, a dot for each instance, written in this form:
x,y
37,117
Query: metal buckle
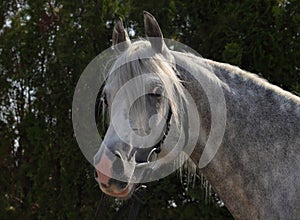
x,y
150,154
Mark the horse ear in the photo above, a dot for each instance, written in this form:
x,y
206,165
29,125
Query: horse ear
x,y
153,32
120,39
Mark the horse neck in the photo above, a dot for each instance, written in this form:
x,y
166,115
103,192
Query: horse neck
x,y
258,159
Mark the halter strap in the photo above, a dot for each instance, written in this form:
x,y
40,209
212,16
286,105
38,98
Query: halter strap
x,y
157,148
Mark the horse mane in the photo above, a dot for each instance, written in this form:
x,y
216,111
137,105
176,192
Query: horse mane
x,y
140,59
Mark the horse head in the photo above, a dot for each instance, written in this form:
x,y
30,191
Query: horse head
x,y
142,92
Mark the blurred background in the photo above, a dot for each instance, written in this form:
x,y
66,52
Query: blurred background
x,y
45,46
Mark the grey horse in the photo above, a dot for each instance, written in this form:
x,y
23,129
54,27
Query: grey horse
x,y
254,168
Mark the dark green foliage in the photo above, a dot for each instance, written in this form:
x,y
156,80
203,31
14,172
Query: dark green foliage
x,y
45,45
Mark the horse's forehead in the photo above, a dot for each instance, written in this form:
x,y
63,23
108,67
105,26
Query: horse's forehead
x,y
132,82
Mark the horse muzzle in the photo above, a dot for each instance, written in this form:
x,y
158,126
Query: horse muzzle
x,y
112,187
105,171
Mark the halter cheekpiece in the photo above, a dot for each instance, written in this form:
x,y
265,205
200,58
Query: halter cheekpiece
x,y
157,148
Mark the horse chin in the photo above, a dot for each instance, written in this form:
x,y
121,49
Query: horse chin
x,y
123,194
